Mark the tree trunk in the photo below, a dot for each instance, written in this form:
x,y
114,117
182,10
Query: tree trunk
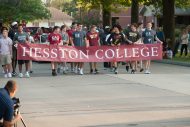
x,y
169,21
106,17
135,11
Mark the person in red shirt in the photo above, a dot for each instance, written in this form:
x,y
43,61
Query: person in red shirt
x,y
93,40
55,39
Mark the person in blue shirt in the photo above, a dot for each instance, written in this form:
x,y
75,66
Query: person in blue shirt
x,y
149,37
6,104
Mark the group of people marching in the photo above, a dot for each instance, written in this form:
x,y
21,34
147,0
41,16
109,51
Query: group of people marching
x,y
75,36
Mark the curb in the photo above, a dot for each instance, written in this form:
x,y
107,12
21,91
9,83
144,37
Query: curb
x,y
164,61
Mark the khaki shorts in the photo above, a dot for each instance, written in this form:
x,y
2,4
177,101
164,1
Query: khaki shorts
x,y
5,59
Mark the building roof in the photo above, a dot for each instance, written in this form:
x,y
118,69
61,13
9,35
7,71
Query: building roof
x,y
58,15
181,11
149,11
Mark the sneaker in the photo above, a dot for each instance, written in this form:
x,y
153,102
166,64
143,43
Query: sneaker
x,y
20,75
96,71
14,74
147,72
132,71
64,72
9,75
91,71
31,72
54,72
27,75
116,71
5,75
127,68
141,70
81,72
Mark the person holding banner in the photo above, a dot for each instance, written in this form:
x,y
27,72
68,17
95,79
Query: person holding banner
x,y
133,37
70,33
79,40
65,40
149,37
93,40
116,39
55,39
22,37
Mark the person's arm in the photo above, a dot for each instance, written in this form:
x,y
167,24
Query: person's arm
x,y
139,39
60,40
10,47
11,123
8,120
158,40
27,38
32,40
87,40
98,39
109,41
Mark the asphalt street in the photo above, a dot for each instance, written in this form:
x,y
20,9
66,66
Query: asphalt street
x,y
161,99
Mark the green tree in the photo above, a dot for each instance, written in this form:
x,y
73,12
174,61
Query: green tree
x,y
168,11
105,6
23,9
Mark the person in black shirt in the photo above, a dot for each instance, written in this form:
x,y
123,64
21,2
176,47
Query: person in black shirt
x,y
116,39
133,37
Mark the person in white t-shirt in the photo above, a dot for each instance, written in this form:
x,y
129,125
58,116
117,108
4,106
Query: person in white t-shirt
x,y
6,53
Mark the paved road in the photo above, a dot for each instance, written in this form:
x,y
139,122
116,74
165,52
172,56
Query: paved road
x,y
161,99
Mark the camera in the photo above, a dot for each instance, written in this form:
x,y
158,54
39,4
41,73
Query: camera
x,y
16,104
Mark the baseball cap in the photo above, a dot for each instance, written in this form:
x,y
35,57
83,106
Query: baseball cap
x,y
14,23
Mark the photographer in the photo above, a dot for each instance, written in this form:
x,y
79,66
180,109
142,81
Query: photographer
x,y
7,105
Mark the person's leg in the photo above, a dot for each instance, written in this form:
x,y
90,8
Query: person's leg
x,y
81,65
64,66
20,68
5,69
146,66
53,69
91,68
133,67
14,61
27,66
186,49
141,66
116,67
72,67
20,62
30,66
95,66
9,67
182,48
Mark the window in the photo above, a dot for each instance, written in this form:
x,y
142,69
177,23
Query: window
x,y
35,24
51,24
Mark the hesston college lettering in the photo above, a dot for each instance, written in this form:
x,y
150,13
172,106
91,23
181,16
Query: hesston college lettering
x,y
40,52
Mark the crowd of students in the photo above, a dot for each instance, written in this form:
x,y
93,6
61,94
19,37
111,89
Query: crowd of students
x,y
79,37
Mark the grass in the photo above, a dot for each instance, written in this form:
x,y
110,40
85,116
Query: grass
x,y
179,58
